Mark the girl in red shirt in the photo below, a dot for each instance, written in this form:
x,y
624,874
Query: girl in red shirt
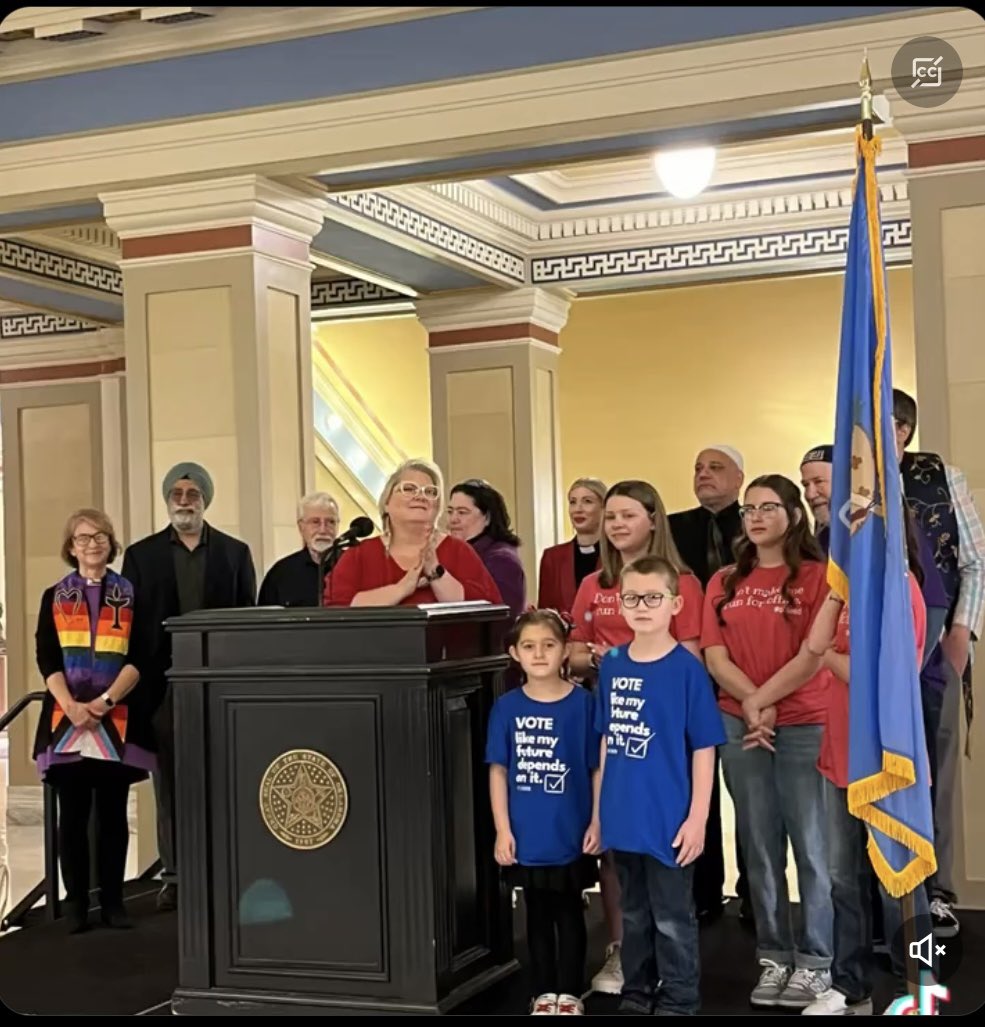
x,y
757,616
635,524
848,864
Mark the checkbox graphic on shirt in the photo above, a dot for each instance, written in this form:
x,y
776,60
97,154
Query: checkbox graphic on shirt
x,y
554,783
636,747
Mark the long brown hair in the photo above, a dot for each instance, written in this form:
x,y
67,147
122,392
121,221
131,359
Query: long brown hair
x,y
661,540
798,543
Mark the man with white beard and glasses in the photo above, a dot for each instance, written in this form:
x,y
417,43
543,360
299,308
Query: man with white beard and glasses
x,y
296,580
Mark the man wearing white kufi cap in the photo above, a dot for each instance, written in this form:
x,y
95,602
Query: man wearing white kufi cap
x,y
704,538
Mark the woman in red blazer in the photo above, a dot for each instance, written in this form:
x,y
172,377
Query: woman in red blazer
x,y
563,567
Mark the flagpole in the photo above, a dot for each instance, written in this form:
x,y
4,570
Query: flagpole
x,y
907,904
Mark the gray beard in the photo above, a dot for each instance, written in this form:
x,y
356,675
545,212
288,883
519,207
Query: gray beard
x,y
186,523
320,547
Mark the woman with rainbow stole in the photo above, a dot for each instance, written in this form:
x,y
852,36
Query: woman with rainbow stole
x,y
94,738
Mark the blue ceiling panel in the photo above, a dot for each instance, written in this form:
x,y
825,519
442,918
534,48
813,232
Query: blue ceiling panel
x,y
384,258
488,41
71,304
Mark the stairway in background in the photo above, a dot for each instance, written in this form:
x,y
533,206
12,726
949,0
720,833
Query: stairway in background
x,y
355,452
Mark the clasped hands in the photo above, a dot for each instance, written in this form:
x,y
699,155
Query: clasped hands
x,y
760,723
86,715
419,576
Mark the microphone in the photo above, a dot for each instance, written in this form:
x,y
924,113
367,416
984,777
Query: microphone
x,y
358,528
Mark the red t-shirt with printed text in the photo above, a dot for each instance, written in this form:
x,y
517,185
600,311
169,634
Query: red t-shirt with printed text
x,y
597,619
762,633
832,761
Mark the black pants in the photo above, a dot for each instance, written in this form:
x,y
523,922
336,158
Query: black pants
x,y
709,867
79,786
557,940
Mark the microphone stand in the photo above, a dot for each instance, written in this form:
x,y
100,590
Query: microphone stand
x,y
329,559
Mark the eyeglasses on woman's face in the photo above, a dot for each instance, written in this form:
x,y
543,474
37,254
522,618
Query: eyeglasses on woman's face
x,y
766,509
651,600
84,539
411,490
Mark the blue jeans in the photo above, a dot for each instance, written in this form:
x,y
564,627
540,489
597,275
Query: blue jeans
x,y
659,936
851,884
777,796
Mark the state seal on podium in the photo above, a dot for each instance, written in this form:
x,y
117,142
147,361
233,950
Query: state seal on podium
x,y
304,799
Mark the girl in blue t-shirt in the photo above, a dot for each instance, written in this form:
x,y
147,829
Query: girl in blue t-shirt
x,y
543,752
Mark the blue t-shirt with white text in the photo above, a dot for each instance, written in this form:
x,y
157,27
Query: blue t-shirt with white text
x,y
550,750
654,716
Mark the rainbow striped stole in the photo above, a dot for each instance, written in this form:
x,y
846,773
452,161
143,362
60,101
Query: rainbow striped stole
x,y
92,665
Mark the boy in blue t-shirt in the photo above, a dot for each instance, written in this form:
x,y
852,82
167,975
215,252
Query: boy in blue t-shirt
x,y
660,724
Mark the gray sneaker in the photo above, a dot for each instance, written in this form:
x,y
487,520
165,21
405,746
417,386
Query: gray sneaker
x,y
772,981
804,987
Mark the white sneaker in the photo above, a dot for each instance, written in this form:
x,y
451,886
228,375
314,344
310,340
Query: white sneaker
x,y
772,982
568,1005
946,924
609,979
833,1003
544,1005
803,987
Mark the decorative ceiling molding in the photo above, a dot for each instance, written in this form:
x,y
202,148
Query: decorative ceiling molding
x,y
83,346
37,263
35,324
428,235
794,251
486,118
125,35
765,165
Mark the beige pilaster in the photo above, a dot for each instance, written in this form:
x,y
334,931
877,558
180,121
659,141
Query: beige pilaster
x,y
61,399
494,361
216,280
947,202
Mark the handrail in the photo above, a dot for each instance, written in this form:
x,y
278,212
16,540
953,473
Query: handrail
x,y
22,704
49,886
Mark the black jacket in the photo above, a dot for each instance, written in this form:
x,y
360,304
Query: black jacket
x,y
690,531
230,581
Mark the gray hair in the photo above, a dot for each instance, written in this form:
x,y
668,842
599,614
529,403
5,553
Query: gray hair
x,y
414,464
321,500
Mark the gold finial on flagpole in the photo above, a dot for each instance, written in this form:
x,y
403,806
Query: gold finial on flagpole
x,y
865,84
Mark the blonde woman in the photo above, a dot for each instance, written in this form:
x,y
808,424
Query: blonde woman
x,y
413,562
563,568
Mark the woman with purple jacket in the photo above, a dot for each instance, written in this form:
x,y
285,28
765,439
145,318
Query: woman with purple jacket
x,y
477,514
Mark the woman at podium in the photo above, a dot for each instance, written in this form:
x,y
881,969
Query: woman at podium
x,y
412,563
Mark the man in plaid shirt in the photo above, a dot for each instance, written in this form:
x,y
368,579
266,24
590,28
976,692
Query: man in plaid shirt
x,y
939,497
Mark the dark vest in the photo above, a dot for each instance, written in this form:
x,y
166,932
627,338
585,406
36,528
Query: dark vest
x,y
929,497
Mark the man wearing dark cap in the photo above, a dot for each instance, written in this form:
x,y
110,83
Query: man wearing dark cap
x,y
188,566
942,503
815,478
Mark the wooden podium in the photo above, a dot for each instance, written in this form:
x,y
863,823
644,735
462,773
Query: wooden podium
x,y
335,842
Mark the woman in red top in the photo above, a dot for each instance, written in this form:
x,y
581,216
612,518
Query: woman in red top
x,y
635,524
851,879
757,617
413,562
564,567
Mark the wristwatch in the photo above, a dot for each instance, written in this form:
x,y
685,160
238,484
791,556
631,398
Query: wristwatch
x,y
436,573
108,699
